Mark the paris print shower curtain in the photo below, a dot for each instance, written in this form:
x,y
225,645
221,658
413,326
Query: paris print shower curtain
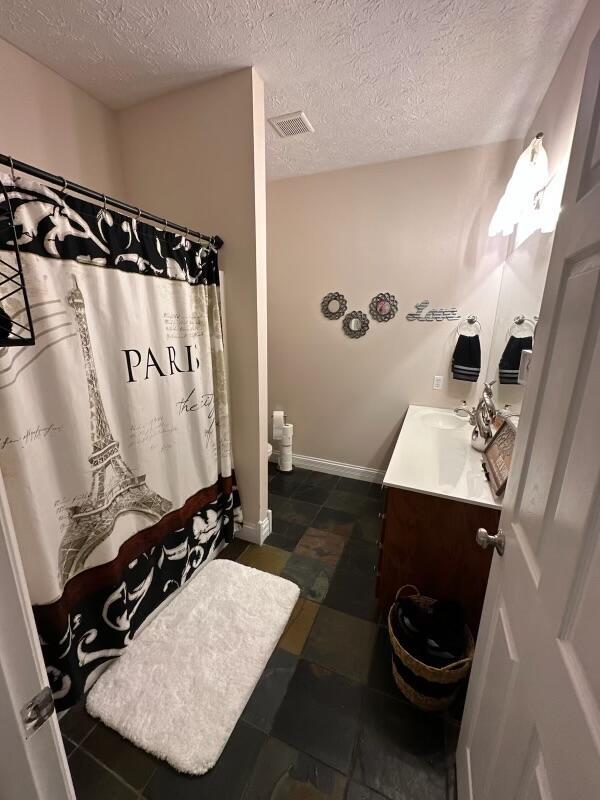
x,y
114,424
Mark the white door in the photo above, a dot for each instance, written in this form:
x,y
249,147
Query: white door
x,y
32,766
531,729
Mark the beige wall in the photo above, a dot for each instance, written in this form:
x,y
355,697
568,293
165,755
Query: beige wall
x,y
416,228
524,274
197,156
52,124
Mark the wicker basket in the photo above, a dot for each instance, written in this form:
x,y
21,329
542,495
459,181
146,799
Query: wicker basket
x,y
429,688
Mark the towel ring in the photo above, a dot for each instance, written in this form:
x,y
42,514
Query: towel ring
x,y
518,323
473,326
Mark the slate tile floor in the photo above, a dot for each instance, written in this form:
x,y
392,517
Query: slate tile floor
x,y
325,721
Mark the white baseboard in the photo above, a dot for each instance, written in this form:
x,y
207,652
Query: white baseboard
x,y
256,532
336,468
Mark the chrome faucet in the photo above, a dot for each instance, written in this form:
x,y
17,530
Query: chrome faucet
x,y
485,414
464,411
487,399
481,417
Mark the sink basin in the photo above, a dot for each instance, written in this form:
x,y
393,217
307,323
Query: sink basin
x,y
447,422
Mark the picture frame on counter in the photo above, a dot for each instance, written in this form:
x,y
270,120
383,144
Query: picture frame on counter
x,y
497,457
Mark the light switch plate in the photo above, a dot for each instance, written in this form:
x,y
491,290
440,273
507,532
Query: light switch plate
x,y
438,381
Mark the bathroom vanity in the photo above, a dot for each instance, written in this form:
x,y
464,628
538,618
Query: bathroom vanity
x,y
437,497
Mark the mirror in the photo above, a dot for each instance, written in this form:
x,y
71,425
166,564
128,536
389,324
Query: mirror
x,y
519,299
334,305
355,324
525,266
383,307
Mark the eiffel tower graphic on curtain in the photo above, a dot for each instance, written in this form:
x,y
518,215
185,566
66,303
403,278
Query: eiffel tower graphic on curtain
x,y
115,489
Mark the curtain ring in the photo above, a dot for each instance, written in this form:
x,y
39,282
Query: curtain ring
x,y
104,201
12,169
164,225
139,215
65,186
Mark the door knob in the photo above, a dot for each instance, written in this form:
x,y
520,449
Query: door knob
x,y
485,539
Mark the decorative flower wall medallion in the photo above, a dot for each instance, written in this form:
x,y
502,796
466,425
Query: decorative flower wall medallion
x,y
355,324
334,305
383,307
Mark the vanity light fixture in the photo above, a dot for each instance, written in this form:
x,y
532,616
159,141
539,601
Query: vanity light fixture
x,y
524,191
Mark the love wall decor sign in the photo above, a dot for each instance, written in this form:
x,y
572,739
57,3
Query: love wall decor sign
x,y
433,315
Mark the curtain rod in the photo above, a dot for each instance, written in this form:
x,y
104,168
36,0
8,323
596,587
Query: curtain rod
x,y
21,166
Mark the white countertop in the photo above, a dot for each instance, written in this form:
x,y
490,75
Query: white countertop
x,y
433,455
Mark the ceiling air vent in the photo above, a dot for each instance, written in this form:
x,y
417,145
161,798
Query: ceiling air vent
x,y
292,124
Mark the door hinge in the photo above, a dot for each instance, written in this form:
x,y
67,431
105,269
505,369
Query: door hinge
x,y
37,710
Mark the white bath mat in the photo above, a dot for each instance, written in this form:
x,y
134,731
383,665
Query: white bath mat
x,y
181,685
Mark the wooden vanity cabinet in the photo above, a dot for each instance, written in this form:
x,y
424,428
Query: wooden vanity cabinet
x,y
429,541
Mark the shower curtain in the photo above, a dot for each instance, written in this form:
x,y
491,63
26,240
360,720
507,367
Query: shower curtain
x,y
114,426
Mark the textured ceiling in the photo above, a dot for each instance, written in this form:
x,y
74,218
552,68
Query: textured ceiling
x,y
379,79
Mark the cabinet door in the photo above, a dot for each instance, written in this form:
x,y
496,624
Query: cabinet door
x,y
429,542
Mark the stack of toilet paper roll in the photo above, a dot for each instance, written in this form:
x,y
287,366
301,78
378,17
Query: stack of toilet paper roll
x,y
283,432
285,448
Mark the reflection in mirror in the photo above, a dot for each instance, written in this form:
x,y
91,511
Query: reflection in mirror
x,y
383,307
525,266
520,296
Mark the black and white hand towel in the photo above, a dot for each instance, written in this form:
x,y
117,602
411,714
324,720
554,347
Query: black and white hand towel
x,y
466,360
508,368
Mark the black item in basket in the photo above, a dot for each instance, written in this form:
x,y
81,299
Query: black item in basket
x,y
434,634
